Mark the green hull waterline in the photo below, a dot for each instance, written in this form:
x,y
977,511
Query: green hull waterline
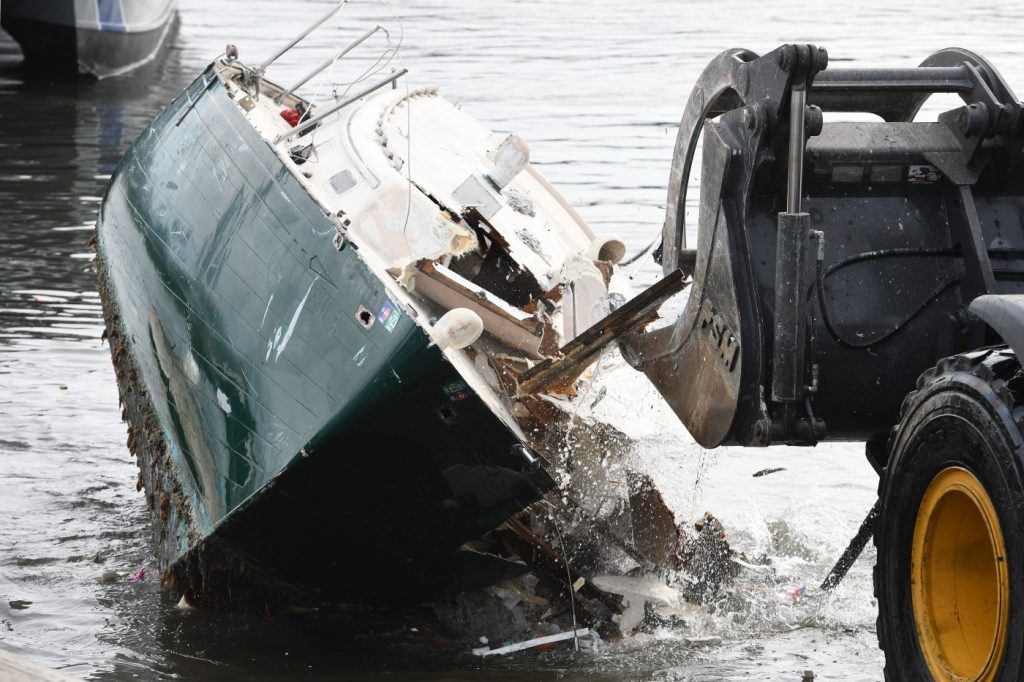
x,y
279,439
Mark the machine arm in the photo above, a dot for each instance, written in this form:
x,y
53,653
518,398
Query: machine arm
x,y
901,214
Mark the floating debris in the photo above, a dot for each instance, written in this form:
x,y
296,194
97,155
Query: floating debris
x,y
638,594
656,534
109,576
702,641
707,560
792,594
581,634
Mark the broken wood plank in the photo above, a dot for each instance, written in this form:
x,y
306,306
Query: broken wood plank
x,y
656,535
581,351
550,567
513,327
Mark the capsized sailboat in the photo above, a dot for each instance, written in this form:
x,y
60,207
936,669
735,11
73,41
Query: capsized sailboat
x,y
349,337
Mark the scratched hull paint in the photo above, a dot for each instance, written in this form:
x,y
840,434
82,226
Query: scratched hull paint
x,y
272,428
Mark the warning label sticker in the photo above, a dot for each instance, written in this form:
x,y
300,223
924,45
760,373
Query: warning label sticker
x,y
923,174
389,316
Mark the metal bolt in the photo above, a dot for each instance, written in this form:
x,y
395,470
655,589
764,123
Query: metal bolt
x,y
973,119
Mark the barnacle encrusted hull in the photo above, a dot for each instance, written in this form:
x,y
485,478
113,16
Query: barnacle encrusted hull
x,y
292,424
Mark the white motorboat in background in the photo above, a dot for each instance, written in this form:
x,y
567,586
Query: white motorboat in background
x,y
97,37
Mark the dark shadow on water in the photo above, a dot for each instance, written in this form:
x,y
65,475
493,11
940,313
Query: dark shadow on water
x,y
59,142
331,642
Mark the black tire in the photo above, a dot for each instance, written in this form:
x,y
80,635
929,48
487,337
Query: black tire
x,y
964,415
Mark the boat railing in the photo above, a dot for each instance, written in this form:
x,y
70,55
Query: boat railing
x,y
327,62
311,123
262,68
253,77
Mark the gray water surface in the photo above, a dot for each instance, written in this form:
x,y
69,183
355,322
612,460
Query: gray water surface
x,y
597,89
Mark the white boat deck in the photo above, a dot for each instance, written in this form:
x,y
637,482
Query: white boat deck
x,y
410,179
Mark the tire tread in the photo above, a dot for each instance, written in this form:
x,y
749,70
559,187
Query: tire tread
x,y
999,368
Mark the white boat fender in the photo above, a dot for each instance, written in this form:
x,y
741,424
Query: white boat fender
x,y
457,328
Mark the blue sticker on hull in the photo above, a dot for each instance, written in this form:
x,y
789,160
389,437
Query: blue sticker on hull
x,y
385,312
389,316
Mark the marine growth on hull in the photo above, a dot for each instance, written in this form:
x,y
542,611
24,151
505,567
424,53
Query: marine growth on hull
x,y
462,250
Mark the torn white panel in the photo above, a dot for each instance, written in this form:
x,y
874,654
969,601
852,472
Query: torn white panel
x,y
402,227
472,193
459,238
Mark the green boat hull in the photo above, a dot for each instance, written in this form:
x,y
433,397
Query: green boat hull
x,y
282,440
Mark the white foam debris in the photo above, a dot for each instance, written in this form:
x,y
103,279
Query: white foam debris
x,y
636,594
650,590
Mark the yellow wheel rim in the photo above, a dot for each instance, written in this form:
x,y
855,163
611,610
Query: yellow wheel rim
x,y
959,583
